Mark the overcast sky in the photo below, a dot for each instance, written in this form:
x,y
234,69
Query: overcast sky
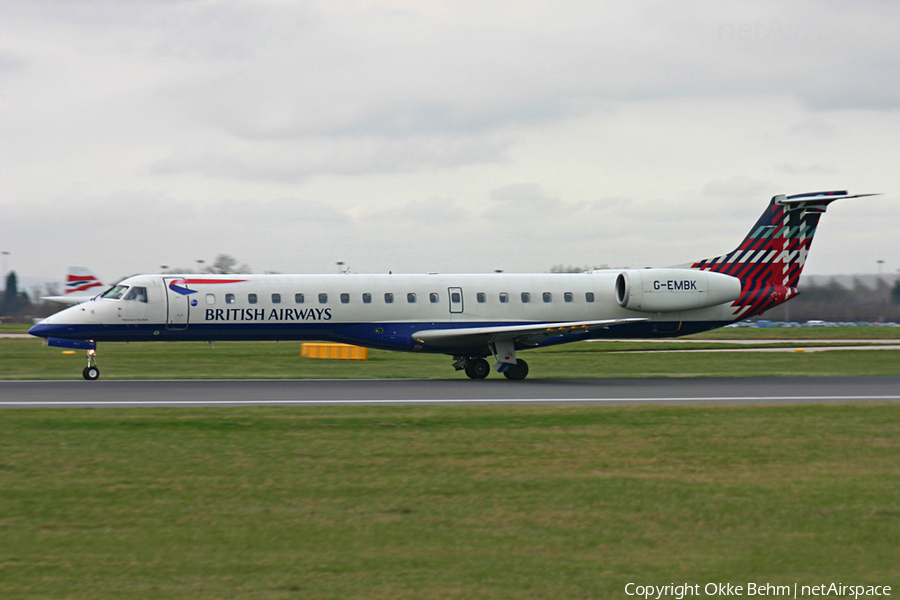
x,y
420,136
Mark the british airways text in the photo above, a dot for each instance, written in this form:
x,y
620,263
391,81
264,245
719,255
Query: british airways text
x,y
275,314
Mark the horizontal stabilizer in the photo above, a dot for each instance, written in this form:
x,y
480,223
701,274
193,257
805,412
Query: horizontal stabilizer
x,y
70,300
817,196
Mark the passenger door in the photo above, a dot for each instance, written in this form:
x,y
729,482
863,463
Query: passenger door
x,y
456,300
178,305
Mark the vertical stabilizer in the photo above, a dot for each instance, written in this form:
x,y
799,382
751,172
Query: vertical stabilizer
x,y
81,285
81,282
770,259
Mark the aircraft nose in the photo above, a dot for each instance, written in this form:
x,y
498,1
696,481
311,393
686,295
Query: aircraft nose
x,y
42,329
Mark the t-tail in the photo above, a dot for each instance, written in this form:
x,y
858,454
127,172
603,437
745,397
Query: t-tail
x,y
770,259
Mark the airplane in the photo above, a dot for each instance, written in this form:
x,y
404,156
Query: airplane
x,y
469,317
81,285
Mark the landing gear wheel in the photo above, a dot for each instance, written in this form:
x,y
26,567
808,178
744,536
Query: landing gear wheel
x,y
517,371
91,372
477,368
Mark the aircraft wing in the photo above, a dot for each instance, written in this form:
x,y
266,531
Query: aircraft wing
x,y
525,334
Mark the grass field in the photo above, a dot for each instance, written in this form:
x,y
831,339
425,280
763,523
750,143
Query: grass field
x,y
444,502
28,359
526,502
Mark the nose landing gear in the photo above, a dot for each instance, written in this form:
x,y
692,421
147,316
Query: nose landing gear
x,y
91,371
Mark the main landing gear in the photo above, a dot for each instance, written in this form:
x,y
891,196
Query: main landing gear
x,y
91,371
478,368
518,371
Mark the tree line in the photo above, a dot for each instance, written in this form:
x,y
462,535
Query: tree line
x,y
834,302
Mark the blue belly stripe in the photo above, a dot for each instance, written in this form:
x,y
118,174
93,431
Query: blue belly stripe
x,y
392,336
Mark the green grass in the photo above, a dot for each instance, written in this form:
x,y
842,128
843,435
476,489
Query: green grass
x,y
444,502
800,333
28,359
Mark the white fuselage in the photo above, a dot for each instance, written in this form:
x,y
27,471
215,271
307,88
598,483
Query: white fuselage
x,y
372,310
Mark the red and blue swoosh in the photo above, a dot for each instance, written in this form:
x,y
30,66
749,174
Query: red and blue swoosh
x,y
176,285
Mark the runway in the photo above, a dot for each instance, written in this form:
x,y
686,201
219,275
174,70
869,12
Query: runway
x,y
224,393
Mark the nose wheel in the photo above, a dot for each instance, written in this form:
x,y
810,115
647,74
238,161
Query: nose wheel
x,y
91,371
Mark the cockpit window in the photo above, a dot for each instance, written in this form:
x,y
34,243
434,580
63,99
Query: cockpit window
x,y
115,292
137,293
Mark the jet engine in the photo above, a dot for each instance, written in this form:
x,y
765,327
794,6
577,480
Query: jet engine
x,y
671,290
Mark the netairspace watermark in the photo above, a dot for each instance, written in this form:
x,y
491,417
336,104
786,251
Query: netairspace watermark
x,y
718,590
776,30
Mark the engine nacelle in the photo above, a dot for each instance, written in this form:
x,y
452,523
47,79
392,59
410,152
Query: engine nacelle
x,y
671,290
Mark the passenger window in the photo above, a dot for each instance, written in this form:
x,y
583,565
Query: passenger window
x,y
139,294
229,298
548,297
345,298
568,296
298,299
276,298
434,298
251,298
323,298
481,297
210,298
504,297
589,296
388,298
411,298
526,297
367,298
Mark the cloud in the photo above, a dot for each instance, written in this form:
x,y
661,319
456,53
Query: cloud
x,y
422,135
522,203
433,215
738,187
10,62
291,162
817,168
372,72
815,128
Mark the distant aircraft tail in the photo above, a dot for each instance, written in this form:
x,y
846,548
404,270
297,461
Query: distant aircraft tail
x,y
81,285
770,259
81,282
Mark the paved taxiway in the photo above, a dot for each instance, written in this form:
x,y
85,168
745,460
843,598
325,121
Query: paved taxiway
x,y
34,394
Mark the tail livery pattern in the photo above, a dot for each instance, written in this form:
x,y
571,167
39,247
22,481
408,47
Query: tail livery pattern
x,y
770,259
81,282
81,285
